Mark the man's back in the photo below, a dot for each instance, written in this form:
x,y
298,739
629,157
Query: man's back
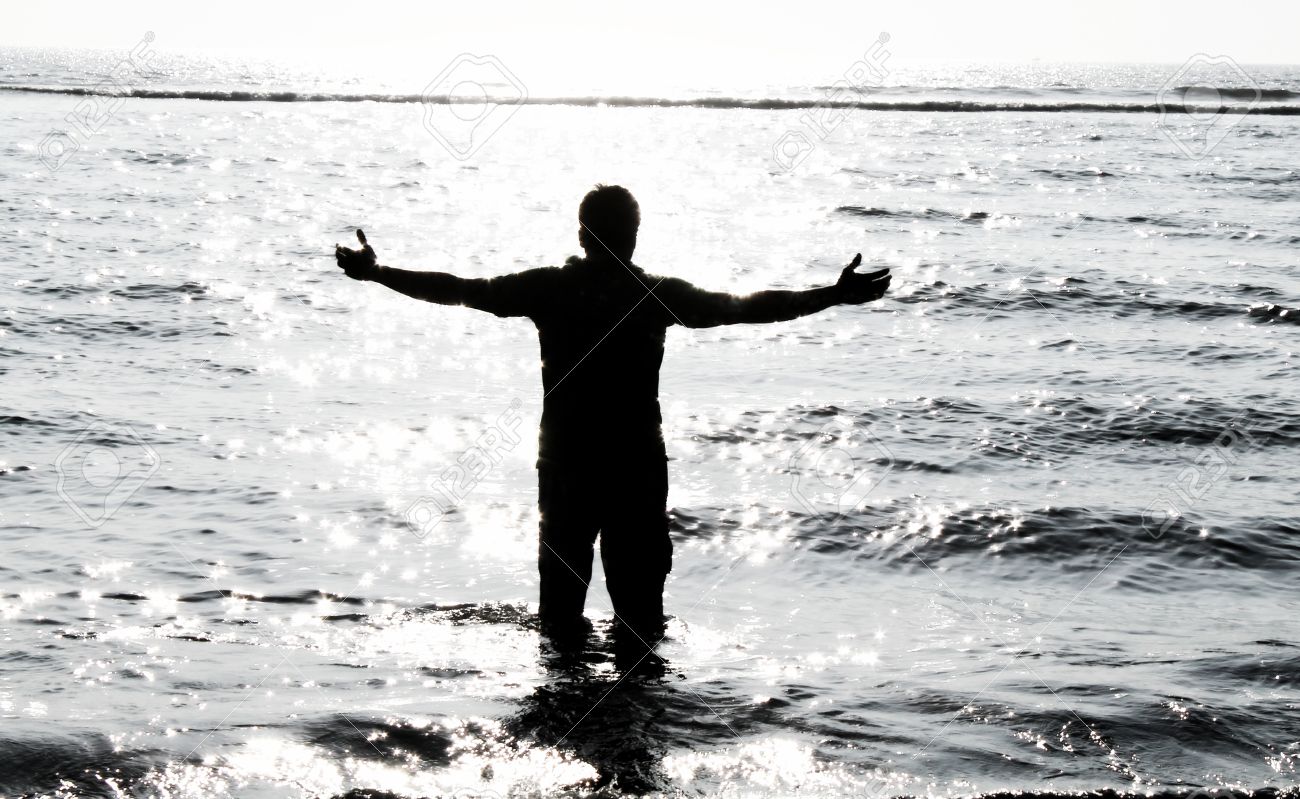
x,y
602,342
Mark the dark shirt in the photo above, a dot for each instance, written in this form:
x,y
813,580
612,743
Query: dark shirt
x,y
601,325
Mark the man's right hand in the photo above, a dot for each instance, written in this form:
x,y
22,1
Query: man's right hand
x,y
357,264
854,288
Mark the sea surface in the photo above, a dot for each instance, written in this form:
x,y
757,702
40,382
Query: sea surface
x,y
1028,525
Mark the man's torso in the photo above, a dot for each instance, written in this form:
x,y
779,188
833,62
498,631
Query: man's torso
x,y
601,333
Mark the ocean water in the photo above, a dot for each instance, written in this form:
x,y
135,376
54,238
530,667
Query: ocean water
x,y
1026,526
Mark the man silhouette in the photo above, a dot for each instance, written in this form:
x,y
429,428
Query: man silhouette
x,y
602,466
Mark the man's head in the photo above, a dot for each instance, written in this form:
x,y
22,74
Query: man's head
x,y
607,222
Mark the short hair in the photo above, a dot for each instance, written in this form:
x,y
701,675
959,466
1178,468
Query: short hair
x,y
609,215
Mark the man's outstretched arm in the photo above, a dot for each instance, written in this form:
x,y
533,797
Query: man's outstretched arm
x,y
495,295
695,307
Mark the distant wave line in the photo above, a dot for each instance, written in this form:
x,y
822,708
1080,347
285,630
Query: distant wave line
x,y
1244,93
716,103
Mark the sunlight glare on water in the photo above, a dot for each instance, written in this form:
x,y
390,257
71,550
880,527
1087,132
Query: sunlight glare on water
x,y
1078,314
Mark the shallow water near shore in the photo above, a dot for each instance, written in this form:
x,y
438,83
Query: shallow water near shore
x,y
212,439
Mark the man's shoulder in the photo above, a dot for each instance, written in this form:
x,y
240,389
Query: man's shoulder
x,y
665,286
541,271
534,278
577,264
586,274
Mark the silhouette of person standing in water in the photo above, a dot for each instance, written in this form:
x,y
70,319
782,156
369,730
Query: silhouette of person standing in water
x,y
602,469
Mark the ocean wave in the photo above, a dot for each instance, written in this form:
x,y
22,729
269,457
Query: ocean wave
x,y
1248,93
917,213
715,103
1166,226
1269,176
1242,93
97,327
1274,313
1059,537
936,436
187,290
1119,299
307,597
1043,432
69,766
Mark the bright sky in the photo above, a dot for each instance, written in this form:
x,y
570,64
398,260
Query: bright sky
x,y
755,43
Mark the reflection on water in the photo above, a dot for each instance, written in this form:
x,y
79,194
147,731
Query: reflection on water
x,y
1078,313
